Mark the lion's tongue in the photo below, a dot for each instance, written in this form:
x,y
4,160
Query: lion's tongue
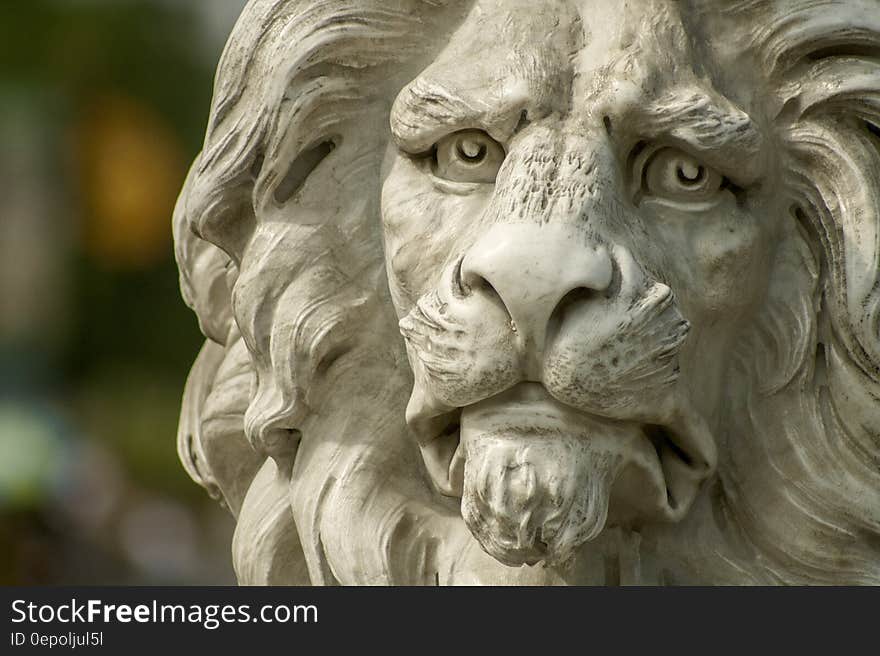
x,y
537,483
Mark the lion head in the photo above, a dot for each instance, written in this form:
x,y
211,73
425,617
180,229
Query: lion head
x,y
541,292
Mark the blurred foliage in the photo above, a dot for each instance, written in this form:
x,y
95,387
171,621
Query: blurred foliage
x,y
106,102
78,50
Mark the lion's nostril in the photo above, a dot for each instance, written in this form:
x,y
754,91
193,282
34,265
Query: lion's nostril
x,y
489,291
568,303
471,281
574,297
459,288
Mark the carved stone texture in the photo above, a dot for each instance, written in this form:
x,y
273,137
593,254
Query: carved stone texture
x,y
541,292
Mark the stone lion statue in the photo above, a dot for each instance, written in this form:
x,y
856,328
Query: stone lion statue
x,y
540,292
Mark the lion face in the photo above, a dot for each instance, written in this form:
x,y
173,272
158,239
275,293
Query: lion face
x,y
592,285
572,244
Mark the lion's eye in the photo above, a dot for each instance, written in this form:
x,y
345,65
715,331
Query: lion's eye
x,y
672,174
468,156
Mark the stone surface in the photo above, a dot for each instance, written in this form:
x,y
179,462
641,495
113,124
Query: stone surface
x,y
540,292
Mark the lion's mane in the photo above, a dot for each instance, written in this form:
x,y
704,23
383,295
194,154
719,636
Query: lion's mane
x,y
296,400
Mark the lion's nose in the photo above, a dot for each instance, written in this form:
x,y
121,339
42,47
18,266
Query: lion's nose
x,y
530,268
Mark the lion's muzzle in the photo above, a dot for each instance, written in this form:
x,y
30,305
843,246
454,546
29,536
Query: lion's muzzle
x,y
546,395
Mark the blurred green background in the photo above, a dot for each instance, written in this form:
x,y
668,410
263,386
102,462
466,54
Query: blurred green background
x,y
103,105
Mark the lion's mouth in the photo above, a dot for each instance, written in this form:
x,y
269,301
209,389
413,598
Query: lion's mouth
x,y
661,466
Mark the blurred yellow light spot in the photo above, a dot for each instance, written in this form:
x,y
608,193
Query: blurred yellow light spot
x,y
130,168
